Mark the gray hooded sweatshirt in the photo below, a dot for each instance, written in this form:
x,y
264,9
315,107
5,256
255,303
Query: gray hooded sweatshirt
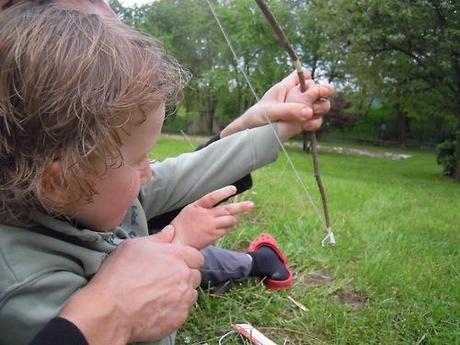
x,y
43,265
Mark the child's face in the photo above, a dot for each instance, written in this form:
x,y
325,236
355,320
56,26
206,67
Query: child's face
x,y
119,187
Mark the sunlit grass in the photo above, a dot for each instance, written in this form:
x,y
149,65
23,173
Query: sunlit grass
x,y
393,277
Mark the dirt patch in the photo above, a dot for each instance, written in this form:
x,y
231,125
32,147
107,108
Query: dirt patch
x,y
357,152
317,278
352,298
194,140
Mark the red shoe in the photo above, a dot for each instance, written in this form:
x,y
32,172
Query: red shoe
x,y
267,240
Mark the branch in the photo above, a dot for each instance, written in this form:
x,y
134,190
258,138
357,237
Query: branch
x,y
295,60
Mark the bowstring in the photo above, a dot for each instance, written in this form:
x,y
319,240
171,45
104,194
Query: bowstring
x,y
288,158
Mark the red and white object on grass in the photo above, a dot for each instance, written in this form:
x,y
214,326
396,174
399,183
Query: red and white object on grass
x,y
252,334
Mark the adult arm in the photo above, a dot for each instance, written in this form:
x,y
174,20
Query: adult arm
x,y
140,276
115,307
59,331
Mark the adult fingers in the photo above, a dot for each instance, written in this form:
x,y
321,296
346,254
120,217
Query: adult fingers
x,y
165,236
194,297
195,279
213,198
192,257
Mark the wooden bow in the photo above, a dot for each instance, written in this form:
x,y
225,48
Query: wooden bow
x,y
303,87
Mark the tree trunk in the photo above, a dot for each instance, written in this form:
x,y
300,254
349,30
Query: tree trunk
x,y
306,143
211,109
457,155
403,127
456,65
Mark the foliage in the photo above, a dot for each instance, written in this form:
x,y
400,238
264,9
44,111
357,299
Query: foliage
x,y
403,54
403,47
446,156
340,117
180,120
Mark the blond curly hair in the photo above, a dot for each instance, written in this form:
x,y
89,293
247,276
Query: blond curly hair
x,y
69,81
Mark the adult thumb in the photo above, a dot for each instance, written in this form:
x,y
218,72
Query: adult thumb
x,y
166,235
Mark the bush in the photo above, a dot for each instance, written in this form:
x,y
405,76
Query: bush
x,y
446,157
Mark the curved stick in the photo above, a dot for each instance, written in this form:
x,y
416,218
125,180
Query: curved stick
x,y
314,145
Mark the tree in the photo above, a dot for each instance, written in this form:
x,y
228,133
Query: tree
x,y
412,46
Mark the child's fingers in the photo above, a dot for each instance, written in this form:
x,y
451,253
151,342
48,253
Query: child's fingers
x,y
321,107
292,79
319,91
288,111
213,198
225,231
226,222
310,83
278,91
234,208
313,125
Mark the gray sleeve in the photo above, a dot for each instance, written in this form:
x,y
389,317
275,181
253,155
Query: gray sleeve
x,y
25,309
182,180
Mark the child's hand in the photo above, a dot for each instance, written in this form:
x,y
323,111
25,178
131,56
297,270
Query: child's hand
x,y
201,223
285,104
314,98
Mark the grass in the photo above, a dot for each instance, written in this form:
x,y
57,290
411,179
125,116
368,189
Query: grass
x,y
393,277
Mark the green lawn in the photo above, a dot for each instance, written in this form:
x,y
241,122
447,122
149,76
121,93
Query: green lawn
x,y
393,277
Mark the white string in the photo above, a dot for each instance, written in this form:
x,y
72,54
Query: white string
x,y
221,339
296,173
329,237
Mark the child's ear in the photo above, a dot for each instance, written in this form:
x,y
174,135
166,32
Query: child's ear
x,y
51,186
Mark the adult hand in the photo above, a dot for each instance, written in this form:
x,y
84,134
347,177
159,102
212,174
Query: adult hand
x,y
275,106
142,292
